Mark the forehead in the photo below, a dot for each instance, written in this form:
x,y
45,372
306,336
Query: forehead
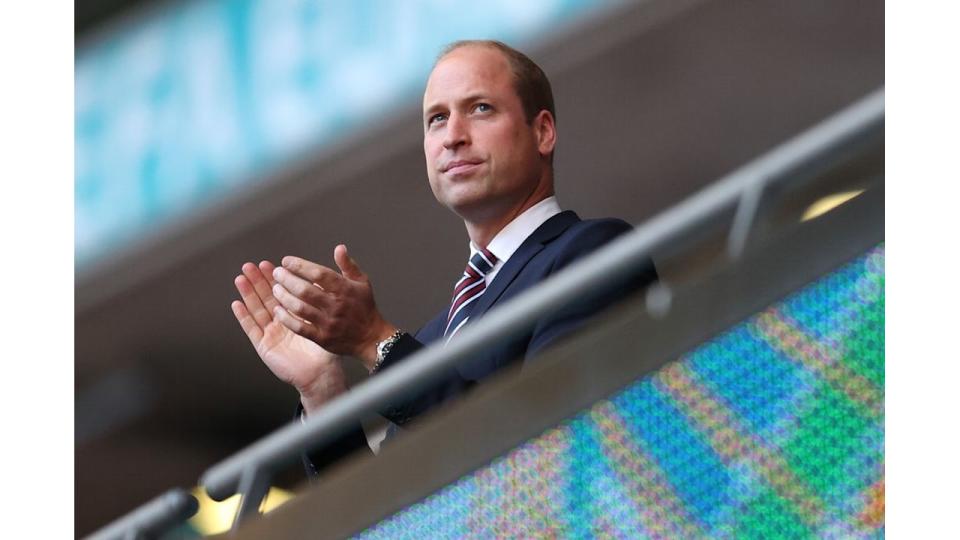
x,y
467,71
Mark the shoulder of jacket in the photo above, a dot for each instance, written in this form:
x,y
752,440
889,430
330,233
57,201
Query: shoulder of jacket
x,y
601,227
584,237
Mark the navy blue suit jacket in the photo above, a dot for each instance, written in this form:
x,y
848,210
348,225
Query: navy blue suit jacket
x,y
559,241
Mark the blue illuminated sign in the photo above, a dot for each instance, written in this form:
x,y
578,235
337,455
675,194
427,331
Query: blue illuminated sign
x,y
177,108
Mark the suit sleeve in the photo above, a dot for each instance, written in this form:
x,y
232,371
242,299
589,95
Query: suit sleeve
x,y
578,313
317,460
448,385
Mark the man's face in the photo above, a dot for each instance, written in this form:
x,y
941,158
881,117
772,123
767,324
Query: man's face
x,y
483,158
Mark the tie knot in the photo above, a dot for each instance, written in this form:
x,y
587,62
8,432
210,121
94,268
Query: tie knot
x,y
481,262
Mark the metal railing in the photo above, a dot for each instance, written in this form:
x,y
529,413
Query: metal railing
x,y
249,471
152,519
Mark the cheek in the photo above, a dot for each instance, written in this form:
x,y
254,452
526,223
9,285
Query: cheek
x,y
510,144
432,180
429,151
430,155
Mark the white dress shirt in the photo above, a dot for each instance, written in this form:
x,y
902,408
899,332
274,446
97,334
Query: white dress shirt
x,y
506,242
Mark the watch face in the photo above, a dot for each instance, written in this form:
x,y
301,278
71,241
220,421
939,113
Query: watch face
x,y
384,346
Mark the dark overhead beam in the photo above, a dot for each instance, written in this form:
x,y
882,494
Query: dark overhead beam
x,y
90,15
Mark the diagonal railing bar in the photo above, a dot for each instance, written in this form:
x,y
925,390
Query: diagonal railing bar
x,y
803,156
152,519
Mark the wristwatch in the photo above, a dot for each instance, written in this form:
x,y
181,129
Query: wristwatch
x,y
383,349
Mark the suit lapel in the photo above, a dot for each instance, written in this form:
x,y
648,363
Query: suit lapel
x,y
550,229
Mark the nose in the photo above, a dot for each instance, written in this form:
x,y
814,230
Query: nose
x,y
457,132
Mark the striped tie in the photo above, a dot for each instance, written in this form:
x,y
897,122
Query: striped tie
x,y
467,290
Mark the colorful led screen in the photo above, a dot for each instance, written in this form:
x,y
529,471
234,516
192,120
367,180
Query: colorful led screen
x,y
774,429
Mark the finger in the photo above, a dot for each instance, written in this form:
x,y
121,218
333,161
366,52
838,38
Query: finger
x,y
266,268
347,265
307,291
294,304
261,284
250,326
297,326
252,301
328,279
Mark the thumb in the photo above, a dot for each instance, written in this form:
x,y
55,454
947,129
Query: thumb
x,y
348,267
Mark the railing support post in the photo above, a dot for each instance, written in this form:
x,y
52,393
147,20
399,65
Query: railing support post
x,y
254,486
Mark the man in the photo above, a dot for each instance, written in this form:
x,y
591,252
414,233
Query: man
x,y
489,136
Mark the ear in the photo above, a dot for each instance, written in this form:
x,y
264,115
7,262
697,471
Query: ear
x,y
545,129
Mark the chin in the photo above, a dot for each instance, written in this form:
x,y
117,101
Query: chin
x,y
476,210
465,208
464,194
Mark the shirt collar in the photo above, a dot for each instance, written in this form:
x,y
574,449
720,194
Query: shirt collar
x,y
508,240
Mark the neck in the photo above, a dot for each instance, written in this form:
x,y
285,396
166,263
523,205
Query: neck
x,y
481,232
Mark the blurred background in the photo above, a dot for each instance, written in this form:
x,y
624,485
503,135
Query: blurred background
x,y
213,132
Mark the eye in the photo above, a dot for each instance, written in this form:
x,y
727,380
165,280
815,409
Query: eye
x,y
482,107
439,117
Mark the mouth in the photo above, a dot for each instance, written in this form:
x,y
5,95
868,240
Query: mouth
x,y
460,167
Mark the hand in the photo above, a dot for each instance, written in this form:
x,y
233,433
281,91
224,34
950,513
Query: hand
x,y
334,310
316,373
